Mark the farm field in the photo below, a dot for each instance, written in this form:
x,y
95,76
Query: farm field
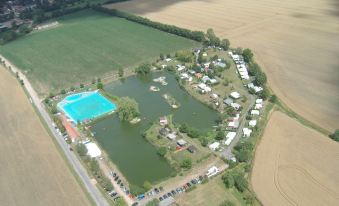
x,y
86,45
295,165
32,169
296,43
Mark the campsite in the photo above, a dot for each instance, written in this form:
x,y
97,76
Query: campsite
x,y
167,102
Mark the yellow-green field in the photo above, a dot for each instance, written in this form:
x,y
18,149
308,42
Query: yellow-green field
x,y
86,45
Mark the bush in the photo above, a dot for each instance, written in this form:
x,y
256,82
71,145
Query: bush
x,y
240,182
128,109
274,99
203,141
184,56
228,179
186,163
243,155
143,69
247,54
183,128
220,135
100,85
335,135
81,149
162,151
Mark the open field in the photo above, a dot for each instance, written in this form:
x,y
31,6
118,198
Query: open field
x,y
85,45
212,193
32,170
296,42
295,165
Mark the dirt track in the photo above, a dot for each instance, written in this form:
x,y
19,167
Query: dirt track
x,y
295,165
296,41
32,170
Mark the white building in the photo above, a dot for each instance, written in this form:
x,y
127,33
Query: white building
x,y
171,136
235,95
255,112
247,132
214,146
258,101
258,106
252,123
235,106
230,136
212,171
93,149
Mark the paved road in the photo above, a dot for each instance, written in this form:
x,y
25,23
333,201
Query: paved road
x,y
71,157
227,153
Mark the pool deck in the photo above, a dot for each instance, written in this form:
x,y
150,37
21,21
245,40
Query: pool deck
x,y
86,106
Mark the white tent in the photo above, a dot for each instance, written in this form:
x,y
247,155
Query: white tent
x,y
93,149
214,146
255,112
235,95
252,123
247,132
230,136
258,101
258,106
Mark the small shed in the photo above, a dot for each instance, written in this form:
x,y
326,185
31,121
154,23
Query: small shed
x,y
163,131
228,101
192,149
235,95
214,146
258,101
247,132
163,121
252,123
171,136
181,142
255,112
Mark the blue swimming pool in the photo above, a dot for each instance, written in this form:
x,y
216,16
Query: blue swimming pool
x,y
86,106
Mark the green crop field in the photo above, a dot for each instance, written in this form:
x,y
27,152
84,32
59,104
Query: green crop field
x,y
85,45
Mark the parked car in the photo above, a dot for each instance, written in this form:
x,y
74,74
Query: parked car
x,y
161,198
114,174
119,181
169,194
116,178
188,184
165,196
156,190
173,192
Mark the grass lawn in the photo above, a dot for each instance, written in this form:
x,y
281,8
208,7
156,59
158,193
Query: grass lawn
x,y
85,45
212,193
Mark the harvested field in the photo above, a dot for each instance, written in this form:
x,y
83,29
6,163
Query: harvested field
x,y
296,42
33,171
295,165
85,45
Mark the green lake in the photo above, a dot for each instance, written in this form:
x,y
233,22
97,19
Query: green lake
x,y
135,157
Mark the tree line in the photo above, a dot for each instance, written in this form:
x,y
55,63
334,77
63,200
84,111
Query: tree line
x,y
194,35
